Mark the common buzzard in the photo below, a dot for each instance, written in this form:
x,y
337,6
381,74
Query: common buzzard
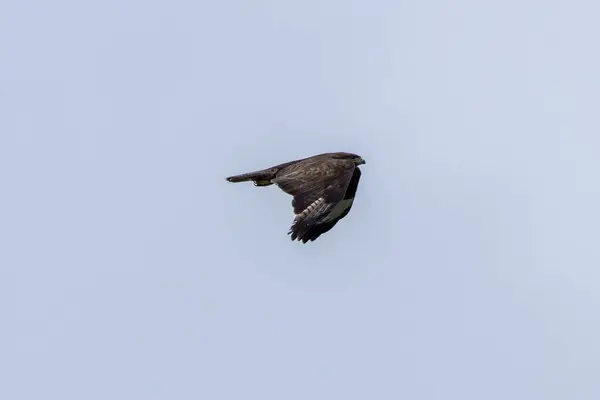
x,y
323,187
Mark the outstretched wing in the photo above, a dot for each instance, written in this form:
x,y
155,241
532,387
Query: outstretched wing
x,y
317,189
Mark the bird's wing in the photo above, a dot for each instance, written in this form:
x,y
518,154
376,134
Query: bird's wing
x,y
317,189
307,181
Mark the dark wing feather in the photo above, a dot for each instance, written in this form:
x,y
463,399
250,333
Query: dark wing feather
x,y
323,226
303,225
317,230
317,188
307,180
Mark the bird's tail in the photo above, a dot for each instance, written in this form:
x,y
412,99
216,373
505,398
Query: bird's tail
x,y
260,178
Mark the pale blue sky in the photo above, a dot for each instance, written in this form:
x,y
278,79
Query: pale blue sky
x,y
468,269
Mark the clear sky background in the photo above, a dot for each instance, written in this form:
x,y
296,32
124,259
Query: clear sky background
x,y
469,267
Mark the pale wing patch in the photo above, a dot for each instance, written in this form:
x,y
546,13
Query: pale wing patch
x,y
312,207
338,209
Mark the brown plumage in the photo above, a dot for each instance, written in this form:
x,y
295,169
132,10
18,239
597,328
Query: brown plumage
x,y
323,187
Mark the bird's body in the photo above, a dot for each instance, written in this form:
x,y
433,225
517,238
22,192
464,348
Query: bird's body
x,y
323,187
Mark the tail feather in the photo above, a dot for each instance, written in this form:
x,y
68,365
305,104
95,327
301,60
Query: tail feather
x,y
260,178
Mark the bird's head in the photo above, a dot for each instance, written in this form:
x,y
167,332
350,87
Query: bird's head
x,y
358,160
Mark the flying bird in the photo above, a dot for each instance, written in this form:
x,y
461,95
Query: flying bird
x,y
323,187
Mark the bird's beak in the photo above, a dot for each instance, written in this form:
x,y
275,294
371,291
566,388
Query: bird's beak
x,y
360,161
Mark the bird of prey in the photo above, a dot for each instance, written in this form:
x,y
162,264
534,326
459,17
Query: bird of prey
x,y
323,187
